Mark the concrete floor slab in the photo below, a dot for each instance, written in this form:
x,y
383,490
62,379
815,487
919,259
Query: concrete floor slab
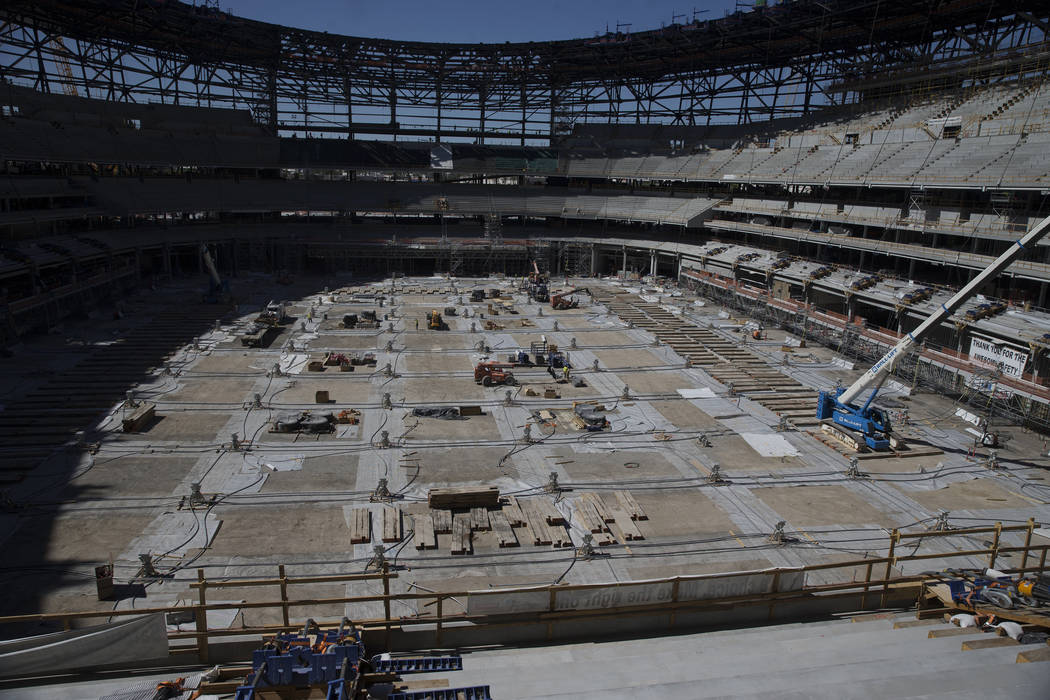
x,y
617,465
458,466
473,427
628,359
342,388
210,390
418,390
438,340
676,512
684,415
180,425
273,531
129,475
976,494
322,474
347,342
434,362
656,381
821,505
223,362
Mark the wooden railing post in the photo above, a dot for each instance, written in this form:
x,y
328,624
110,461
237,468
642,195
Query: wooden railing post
x,y
386,602
201,618
284,595
995,545
1027,544
437,636
895,537
867,585
775,589
674,601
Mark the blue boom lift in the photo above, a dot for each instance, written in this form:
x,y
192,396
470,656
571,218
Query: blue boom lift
x,y
862,425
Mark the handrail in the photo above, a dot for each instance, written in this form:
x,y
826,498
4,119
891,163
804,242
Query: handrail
x,y
202,634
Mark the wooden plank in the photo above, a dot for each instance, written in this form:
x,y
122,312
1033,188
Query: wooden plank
x,y
460,534
442,521
549,512
464,497
512,510
588,518
536,523
479,519
423,526
361,528
599,505
139,418
630,505
623,520
992,643
391,524
504,532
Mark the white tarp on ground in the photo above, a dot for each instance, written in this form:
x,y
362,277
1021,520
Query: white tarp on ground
x,y
277,463
770,444
138,639
704,393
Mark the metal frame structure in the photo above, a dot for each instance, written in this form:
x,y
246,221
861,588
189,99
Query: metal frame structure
x,y
783,60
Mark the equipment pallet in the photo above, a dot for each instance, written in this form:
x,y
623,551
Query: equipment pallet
x,y
424,664
477,692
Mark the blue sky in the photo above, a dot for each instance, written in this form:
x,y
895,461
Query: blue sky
x,y
494,21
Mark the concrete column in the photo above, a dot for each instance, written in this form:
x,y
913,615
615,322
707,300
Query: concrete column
x,y
594,260
911,269
1042,295
652,264
624,266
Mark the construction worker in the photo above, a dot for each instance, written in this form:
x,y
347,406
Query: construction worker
x,y
565,372
550,369
417,324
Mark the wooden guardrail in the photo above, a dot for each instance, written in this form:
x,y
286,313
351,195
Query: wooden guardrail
x,y
876,581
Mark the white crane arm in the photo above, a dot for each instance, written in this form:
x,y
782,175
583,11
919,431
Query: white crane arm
x,y
210,264
879,371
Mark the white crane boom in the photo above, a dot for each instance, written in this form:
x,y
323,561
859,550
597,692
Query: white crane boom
x,y
210,264
881,369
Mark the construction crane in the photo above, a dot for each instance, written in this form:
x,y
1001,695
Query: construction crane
x,y
563,299
219,291
61,57
864,426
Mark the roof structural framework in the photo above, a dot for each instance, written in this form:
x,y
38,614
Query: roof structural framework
x,y
778,61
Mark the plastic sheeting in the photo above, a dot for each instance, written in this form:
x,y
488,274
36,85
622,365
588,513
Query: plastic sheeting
x,y
444,413
135,640
770,444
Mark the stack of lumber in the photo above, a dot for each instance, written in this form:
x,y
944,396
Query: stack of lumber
x,y
391,524
630,505
361,526
540,531
504,532
512,512
442,521
460,534
479,519
423,527
464,497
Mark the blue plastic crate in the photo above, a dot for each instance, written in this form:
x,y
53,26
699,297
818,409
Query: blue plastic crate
x,y
424,664
477,692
